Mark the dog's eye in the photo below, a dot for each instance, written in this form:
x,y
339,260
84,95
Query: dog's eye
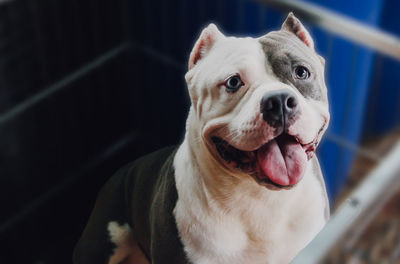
x,y
233,83
301,73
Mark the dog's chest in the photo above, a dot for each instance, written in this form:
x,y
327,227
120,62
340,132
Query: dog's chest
x,y
259,232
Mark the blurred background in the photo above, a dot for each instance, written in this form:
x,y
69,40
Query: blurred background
x,y
87,86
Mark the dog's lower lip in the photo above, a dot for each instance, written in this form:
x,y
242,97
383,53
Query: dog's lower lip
x,y
267,181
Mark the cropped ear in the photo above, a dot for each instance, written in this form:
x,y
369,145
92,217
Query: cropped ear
x,y
293,25
203,45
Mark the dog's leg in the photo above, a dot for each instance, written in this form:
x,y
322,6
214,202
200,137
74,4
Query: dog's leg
x,y
136,256
127,250
107,237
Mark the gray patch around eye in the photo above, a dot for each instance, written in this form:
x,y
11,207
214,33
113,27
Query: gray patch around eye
x,y
310,90
283,54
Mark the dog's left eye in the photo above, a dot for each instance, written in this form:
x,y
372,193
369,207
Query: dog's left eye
x,y
301,73
233,83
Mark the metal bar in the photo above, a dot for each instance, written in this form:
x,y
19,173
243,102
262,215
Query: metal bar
x,y
366,153
385,178
160,56
31,101
342,26
354,235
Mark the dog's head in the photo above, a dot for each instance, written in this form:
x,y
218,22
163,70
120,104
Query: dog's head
x,y
260,103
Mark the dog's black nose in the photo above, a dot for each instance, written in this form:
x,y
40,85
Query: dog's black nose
x,y
279,108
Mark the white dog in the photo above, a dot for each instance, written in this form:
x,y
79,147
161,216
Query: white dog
x,y
244,186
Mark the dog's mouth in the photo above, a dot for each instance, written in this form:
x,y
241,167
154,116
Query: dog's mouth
x,y
281,162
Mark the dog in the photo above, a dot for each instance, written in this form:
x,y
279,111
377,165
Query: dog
x,y
244,186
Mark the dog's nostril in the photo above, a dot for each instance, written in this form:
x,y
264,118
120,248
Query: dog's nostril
x,y
291,102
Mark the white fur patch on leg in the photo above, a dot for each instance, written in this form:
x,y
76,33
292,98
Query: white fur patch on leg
x,y
127,250
121,236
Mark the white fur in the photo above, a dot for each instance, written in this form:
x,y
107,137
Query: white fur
x,y
121,236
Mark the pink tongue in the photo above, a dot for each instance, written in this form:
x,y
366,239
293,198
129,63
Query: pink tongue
x,y
282,160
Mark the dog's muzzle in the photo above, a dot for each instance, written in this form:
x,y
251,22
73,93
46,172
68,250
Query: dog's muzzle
x,y
282,160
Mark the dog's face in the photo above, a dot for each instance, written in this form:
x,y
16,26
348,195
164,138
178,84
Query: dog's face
x,y
260,103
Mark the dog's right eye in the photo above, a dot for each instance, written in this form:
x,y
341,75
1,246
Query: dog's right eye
x,y
233,83
302,73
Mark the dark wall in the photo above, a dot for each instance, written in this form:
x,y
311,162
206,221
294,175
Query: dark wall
x,y
85,87
67,114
